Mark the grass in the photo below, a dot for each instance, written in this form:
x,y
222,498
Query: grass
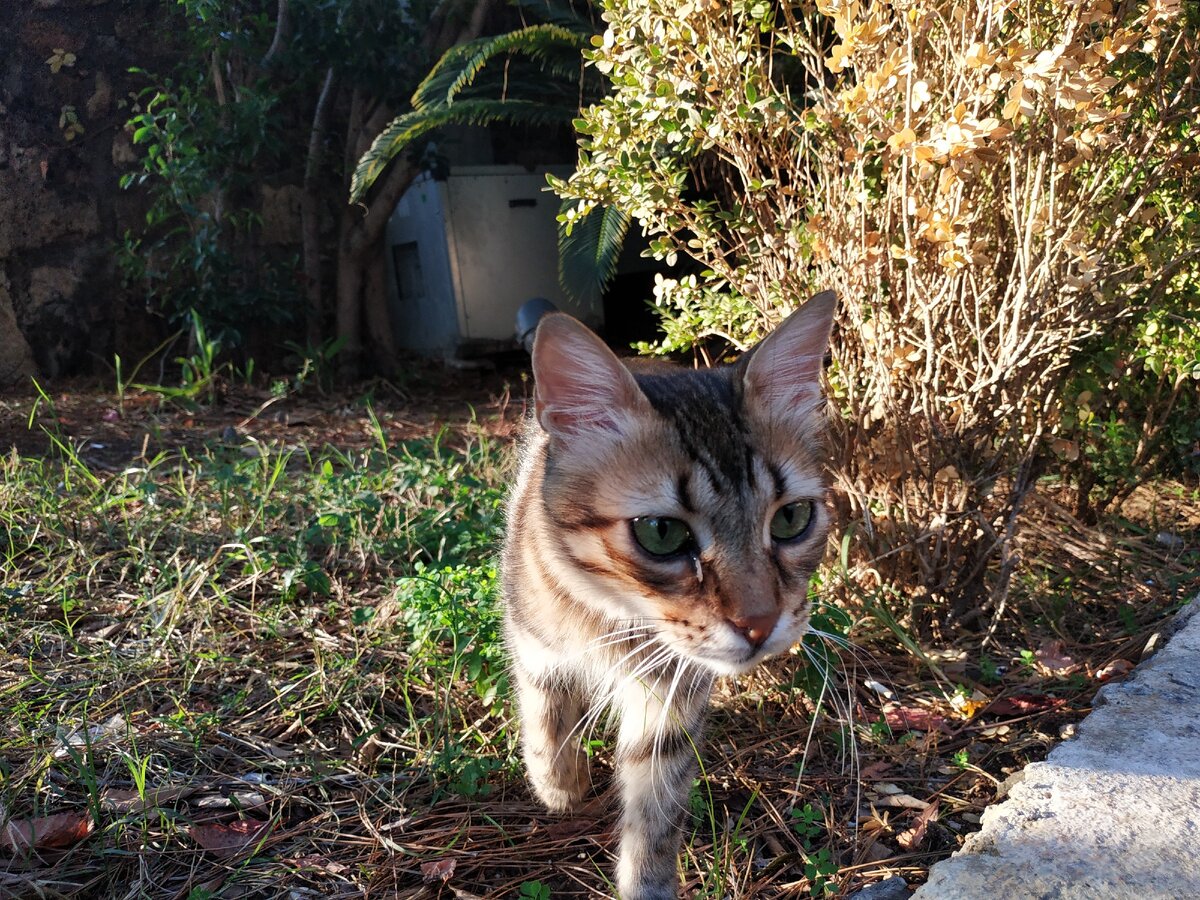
x,y
321,627
252,669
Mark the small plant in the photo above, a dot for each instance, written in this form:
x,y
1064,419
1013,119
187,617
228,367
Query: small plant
x,y
535,890
808,822
208,133
314,363
821,870
989,670
68,122
199,373
60,58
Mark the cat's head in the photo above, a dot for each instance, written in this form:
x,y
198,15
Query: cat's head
x,y
691,501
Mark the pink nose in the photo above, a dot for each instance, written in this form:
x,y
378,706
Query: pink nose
x,y
755,629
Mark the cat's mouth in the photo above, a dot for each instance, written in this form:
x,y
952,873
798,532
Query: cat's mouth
x,y
732,663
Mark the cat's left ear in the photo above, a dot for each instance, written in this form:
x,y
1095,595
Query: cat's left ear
x,y
782,373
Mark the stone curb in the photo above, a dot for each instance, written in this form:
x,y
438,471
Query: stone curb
x,y
1112,814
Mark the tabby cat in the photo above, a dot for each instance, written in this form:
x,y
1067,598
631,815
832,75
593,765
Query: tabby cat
x,y
661,532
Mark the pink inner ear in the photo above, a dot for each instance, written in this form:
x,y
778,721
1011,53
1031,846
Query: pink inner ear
x,y
784,371
581,386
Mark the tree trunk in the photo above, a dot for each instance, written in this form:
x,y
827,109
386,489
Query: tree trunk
x,y
361,281
310,215
362,287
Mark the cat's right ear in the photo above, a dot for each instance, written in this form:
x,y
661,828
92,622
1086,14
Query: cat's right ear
x,y
580,387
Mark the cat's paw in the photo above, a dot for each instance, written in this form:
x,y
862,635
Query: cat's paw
x,y
558,800
563,788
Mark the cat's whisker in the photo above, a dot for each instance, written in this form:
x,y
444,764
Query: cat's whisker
x,y
627,626
611,641
843,707
617,686
582,728
839,640
860,657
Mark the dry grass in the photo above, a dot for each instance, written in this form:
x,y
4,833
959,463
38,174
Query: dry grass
x,y
302,641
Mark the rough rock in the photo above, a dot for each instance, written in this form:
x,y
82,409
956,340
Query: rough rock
x,y
1113,814
16,359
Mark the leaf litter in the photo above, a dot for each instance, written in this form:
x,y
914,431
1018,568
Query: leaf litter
x,y
335,822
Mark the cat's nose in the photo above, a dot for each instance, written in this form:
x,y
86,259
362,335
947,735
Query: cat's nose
x,y
755,629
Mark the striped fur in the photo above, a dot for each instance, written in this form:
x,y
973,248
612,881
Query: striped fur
x,y
596,623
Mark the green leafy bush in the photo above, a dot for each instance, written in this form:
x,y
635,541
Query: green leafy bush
x,y
206,145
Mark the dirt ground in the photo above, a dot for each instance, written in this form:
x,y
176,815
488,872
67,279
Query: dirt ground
x,y
908,789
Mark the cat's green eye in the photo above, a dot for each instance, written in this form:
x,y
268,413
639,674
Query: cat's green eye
x,y
661,535
791,520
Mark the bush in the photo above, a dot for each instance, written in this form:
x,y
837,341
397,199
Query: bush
x,y
209,135
969,177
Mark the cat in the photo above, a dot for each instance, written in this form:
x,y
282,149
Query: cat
x,y
661,532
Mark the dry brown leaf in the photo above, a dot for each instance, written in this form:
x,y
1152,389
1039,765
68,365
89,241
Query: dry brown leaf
x,y
438,870
1022,704
912,837
231,839
1118,668
315,862
569,828
1053,658
119,800
899,801
875,770
45,832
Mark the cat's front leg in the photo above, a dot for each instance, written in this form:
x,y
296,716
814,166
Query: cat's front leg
x,y
656,761
550,716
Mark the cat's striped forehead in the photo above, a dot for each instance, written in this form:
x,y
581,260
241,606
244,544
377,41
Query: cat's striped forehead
x,y
704,409
740,453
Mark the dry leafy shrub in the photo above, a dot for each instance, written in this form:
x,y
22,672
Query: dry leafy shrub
x,y
969,176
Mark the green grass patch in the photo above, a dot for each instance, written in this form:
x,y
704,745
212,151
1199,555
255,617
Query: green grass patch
x,y
266,621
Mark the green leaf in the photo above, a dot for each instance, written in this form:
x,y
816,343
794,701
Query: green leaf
x,y
404,131
587,256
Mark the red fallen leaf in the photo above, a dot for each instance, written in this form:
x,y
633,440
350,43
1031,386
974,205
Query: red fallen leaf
x,y
45,832
438,870
914,718
911,838
228,840
1118,668
1052,657
1023,704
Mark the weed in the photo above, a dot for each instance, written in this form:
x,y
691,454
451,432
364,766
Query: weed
x,y
199,372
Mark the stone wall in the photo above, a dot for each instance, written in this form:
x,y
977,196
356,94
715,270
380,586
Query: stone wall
x,y
64,87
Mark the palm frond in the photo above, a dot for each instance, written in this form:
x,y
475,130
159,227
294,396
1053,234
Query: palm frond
x,y
405,130
434,87
540,42
588,252
557,13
